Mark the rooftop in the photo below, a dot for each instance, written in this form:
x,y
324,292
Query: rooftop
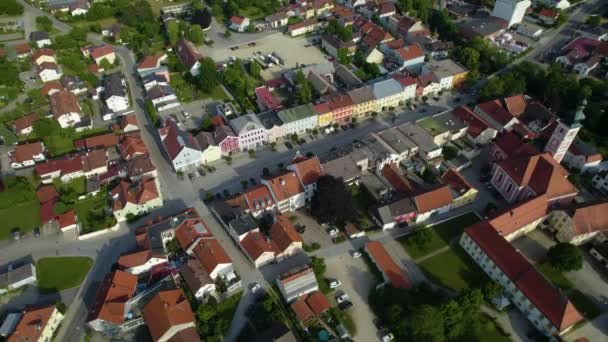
x,y
441,123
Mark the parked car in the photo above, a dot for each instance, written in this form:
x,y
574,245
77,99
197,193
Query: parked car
x,y
341,297
345,305
300,228
255,288
191,176
186,114
201,172
36,232
333,231
388,337
334,284
288,145
356,254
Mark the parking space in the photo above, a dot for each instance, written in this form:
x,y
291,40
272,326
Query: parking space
x,y
313,232
197,111
357,282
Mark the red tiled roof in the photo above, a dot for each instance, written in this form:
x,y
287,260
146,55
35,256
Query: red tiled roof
x,y
258,198
496,111
302,310
410,52
130,119
187,53
42,52
476,125
285,186
25,152
211,254
190,230
456,181
387,265
23,48
101,51
351,229
513,146
135,193
47,193
516,104
47,211
115,290
63,102
186,335
322,108
405,80
265,96
308,170
49,86
589,217
317,302
167,310
66,219
397,181
26,121
150,62
32,324
172,140
519,215
131,146
134,259
548,12
255,245
237,19
433,199
283,233
548,299
65,165
103,140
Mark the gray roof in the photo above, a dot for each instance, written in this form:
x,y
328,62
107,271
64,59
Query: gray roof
x,y
443,68
18,274
160,70
342,167
245,123
419,136
483,27
320,83
159,91
362,95
243,224
39,35
397,140
386,88
10,323
270,119
396,208
297,113
112,86
441,123
347,77
318,69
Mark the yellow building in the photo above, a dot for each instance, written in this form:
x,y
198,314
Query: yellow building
x,y
324,113
364,101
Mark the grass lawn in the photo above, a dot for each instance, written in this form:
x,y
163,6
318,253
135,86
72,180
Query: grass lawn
x,y
431,125
584,304
186,92
91,213
440,235
25,216
454,269
58,145
487,330
217,94
7,135
554,275
58,274
253,13
78,185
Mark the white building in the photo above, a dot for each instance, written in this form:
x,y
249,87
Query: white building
x,y
162,97
308,172
299,119
512,11
388,93
250,130
181,147
140,262
286,191
114,92
18,277
297,283
65,108
48,72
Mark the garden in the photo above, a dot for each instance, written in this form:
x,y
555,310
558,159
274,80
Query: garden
x,y
19,207
58,274
454,269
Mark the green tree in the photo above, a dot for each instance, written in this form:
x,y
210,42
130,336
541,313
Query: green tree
x,y
43,23
467,56
332,202
173,32
105,64
195,34
318,266
227,34
491,289
565,257
343,56
304,88
255,69
594,21
426,323
207,78
442,23
404,6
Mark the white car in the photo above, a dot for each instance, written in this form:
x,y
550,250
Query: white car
x,y
342,298
334,284
333,231
186,114
388,337
255,288
356,254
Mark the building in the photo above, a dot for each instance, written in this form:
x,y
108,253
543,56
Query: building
x,y
433,202
310,306
163,97
134,199
427,149
583,54
298,119
583,157
239,23
308,171
67,168
447,73
214,259
168,314
394,213
40,38
341,107
579,223
73,84
250,130
18,277
99,53
210,150
227,140
304,27
259,250
391,272
275,129
443,127
259,200
600,181
266,100
26,155
463,192
564,134
478,129
183,150
364,101
286,191
25,124
190,230
140,262
296,283
512,11
286,238
113,293
197,280
407,56
48,72
388,93
485,28
241,225
333,44
65,108
36,324
44,55
530,30
188,54
278,19
115,93
539,301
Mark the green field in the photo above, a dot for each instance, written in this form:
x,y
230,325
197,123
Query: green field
x,y
440,235
58,274
454,269
25,216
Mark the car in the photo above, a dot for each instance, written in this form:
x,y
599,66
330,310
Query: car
x,y
356,254
255,288
341,297
185,114
345,305
191,176
252,181
388,337
251,44
226,193
36,232
201,172
302,141
334,283
333,231
300,228
288,145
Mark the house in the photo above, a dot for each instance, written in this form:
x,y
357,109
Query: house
x,y
333,45
181,147
214,259
112,32
134,199
284,235
600,181
297,282
495,113
266,100
227,110
197,279
36,324
48,72
189,56
583,54
26,155
140,262
40,38
347,77
548,15
129,123
251,132
210,150
259,200
341,107
540,302
278,19
115,93
512,11
259,250
65,108
410,57
227,140
583,157
139,167
438,49
579,223
73,84
22,50
103,141
99,53
163,97
449,74
394,213
18,277
79,7
409,84
352,231
304,27
52,87
434,202
310,306
477,128
190,230
407,28
443,127
427,149
25,124
286,191
275,129
239,23
364,101
308,171
463,192
67,220
527,176
44,55
70,167
486,28
242,225
168,315
530,30
391,272
388,93
113,293
298,119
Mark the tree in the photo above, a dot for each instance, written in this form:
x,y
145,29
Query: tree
x,y
196,34
227,34
467,56
304,93
426,324
207,125
43,23
255,69
173,32
343,56
565,257
594,21
404,6
422,237
105,64
207,78
318,266
491,289
332,202
441,23
10,7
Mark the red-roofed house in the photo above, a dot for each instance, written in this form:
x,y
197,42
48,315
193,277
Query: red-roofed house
x,y
303,312
140,262
259,200
67,220
25,124
521,218
135,198
308,307
287,191
583,54
462,191
494,113
132,146
239,23
214,259
391,272
258,249
510,145
579,223
167,314
548,15
36,324
129,123
99,53
308,171
22,50
46,193
409,57
478,129
109,309
286,238
190,231
265,99
189,55
433,202
26,155
542,304
65,108
181,147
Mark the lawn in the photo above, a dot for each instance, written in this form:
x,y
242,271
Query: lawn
x,y
440,235
363,200
58,145
25,216
187,92
91,213
554,275
584,304
58,274
7,135
77,185
487,330
454,269
253,13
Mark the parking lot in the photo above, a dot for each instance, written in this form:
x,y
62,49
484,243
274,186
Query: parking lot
x,y
198,110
